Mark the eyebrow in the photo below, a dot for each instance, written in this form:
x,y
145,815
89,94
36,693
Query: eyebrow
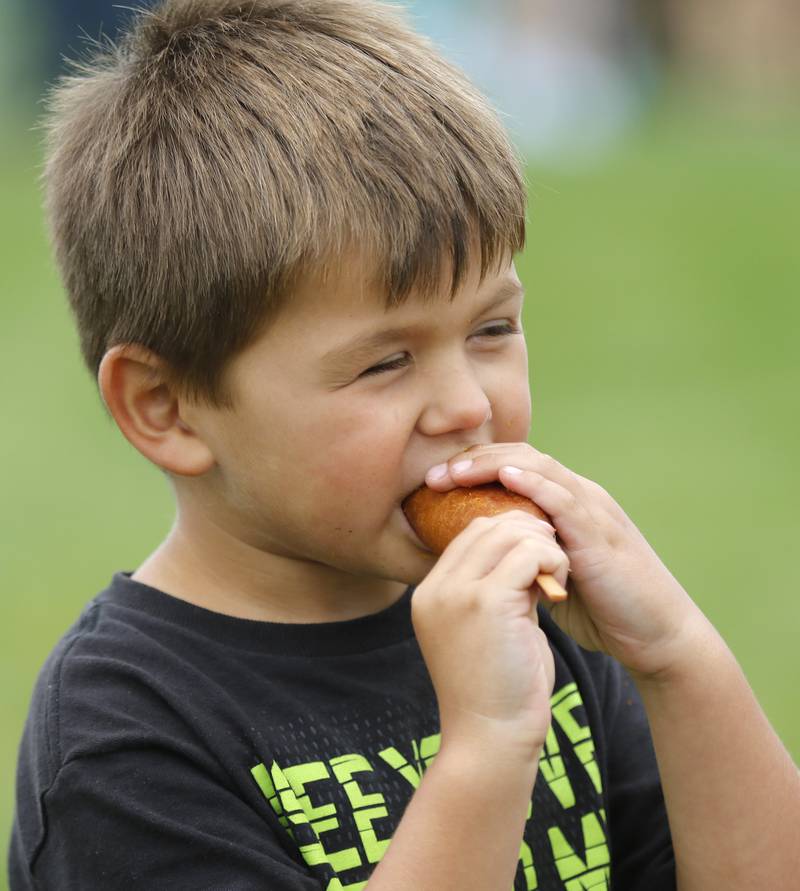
x,y
363,346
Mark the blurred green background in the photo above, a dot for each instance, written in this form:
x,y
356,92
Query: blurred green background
x,y
662,320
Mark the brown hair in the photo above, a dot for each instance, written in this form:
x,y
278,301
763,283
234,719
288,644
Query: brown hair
x,y
222,148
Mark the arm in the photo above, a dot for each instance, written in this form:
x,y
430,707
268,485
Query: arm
x,y
483,812
731,789
493,673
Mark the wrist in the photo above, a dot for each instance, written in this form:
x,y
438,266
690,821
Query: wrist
x,y
509,752
683,655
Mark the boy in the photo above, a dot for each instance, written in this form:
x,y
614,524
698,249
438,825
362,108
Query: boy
x,y
287,231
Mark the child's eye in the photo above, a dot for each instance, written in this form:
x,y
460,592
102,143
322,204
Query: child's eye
x,y
399,362
499,330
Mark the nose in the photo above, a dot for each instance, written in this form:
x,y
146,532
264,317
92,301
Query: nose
x,y
454,400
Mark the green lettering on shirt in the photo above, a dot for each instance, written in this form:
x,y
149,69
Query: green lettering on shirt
x,y
366,808
526,861
562,704
424,753
286,791
551,766
576,872
295,803
336,885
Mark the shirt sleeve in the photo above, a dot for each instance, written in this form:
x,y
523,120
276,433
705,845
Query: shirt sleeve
x,y
641,844
149,818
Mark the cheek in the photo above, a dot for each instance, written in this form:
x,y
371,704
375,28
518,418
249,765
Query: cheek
x,y
512,402
519,421
361,455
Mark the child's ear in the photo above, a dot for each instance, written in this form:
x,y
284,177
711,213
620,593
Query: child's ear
x,y
147,411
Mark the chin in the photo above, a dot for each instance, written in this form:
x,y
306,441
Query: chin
x,y
412,571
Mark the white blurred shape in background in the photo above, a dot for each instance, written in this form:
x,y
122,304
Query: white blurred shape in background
x,y
568,76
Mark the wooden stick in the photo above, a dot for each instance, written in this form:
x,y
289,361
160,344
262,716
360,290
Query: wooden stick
x,y
548,583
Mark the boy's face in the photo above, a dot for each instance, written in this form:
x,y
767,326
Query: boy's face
x,y
328,436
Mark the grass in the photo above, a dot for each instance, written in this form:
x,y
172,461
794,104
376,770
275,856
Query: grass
x,y
662,323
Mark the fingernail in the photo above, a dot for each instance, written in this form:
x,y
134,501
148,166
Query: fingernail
x,y
436,473
512,471
461,466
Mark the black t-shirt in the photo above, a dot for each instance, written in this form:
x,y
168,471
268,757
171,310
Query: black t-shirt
x,y
168,746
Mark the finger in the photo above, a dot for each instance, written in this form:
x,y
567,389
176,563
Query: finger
x,y
548,584
492,547
577,528
548,663
440,478
476,550
527,559
467,554
482,465
603,497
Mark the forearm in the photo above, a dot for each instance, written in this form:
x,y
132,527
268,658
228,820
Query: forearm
x,y
463,827
731,790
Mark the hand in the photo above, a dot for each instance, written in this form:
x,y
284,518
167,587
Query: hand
x,y
475,621
623,600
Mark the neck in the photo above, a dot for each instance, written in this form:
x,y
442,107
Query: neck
x,y
215,570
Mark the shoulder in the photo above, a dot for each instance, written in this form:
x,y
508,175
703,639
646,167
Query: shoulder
x,y
103,681
45,746
42,729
